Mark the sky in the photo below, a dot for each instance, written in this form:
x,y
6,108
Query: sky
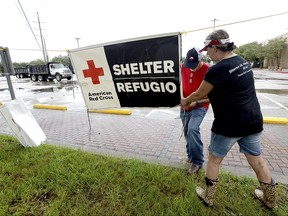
x,y
103,21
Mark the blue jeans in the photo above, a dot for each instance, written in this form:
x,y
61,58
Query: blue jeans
x,y
191,123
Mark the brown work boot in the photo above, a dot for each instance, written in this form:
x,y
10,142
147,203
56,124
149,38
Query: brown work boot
x,y
268,194
207,195
194,168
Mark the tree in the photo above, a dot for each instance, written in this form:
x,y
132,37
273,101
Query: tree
x,y
37,62
19,64
257,52
252,52
65,60
273,50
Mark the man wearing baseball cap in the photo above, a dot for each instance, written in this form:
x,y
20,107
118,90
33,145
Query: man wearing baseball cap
x,y
192,72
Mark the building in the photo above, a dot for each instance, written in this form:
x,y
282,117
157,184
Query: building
x,y
283,66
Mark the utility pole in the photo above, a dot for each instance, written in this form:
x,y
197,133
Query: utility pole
x,y
77,39
214,21
45,49
42,40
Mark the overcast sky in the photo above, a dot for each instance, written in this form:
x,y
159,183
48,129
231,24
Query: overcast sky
x,y
102,21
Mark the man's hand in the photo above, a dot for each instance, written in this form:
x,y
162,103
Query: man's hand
x,y
184,103
192,104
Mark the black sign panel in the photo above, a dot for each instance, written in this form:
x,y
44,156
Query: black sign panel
x,y
146,72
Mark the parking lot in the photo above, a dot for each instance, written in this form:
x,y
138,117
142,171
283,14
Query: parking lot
x,y
271,87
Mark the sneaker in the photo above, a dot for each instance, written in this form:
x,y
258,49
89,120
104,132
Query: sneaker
x,y
194,168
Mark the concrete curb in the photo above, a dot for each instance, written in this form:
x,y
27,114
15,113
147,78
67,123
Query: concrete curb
x,y
268,120
45,106
113,111
275,120
105,111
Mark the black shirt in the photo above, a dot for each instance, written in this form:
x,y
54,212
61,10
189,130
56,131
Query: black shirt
x,y
234,102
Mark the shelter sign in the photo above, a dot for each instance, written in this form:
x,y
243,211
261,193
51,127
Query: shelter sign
x,y
142,72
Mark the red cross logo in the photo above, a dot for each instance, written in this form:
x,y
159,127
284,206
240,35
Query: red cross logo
x,y
93,72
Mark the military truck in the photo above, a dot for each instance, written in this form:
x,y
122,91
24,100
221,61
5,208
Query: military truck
x,y
49,71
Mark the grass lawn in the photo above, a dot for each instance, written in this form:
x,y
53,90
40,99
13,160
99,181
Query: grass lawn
x,y
49,180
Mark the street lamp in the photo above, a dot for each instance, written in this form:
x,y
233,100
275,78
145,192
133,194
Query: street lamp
x,y
77,39
214,20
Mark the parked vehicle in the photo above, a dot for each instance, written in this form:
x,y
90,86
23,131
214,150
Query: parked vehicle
x,y
49,71
22,72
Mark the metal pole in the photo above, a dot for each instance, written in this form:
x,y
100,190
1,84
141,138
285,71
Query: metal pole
x,y
42,42
77,39
46,53
10,86
5,58
214,21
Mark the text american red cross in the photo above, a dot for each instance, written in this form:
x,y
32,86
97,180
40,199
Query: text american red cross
x,y
93,72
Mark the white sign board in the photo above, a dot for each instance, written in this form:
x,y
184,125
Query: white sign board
x,y
22,123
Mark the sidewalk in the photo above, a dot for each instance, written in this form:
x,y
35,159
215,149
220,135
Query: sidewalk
x,y
151,135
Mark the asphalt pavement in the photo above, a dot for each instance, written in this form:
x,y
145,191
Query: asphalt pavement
x,y
153,135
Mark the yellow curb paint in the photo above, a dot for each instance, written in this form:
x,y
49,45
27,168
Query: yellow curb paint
x,y
114,111
275,120
45,106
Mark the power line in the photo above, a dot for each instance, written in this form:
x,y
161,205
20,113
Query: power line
x,y
233,23
37,50
28,23
183,32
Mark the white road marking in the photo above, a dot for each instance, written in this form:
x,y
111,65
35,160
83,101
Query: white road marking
x,y
277,103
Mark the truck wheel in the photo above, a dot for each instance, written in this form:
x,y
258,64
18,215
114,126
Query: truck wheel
x,y
34,78
41,78
58,77
21,76
17,75
69,78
